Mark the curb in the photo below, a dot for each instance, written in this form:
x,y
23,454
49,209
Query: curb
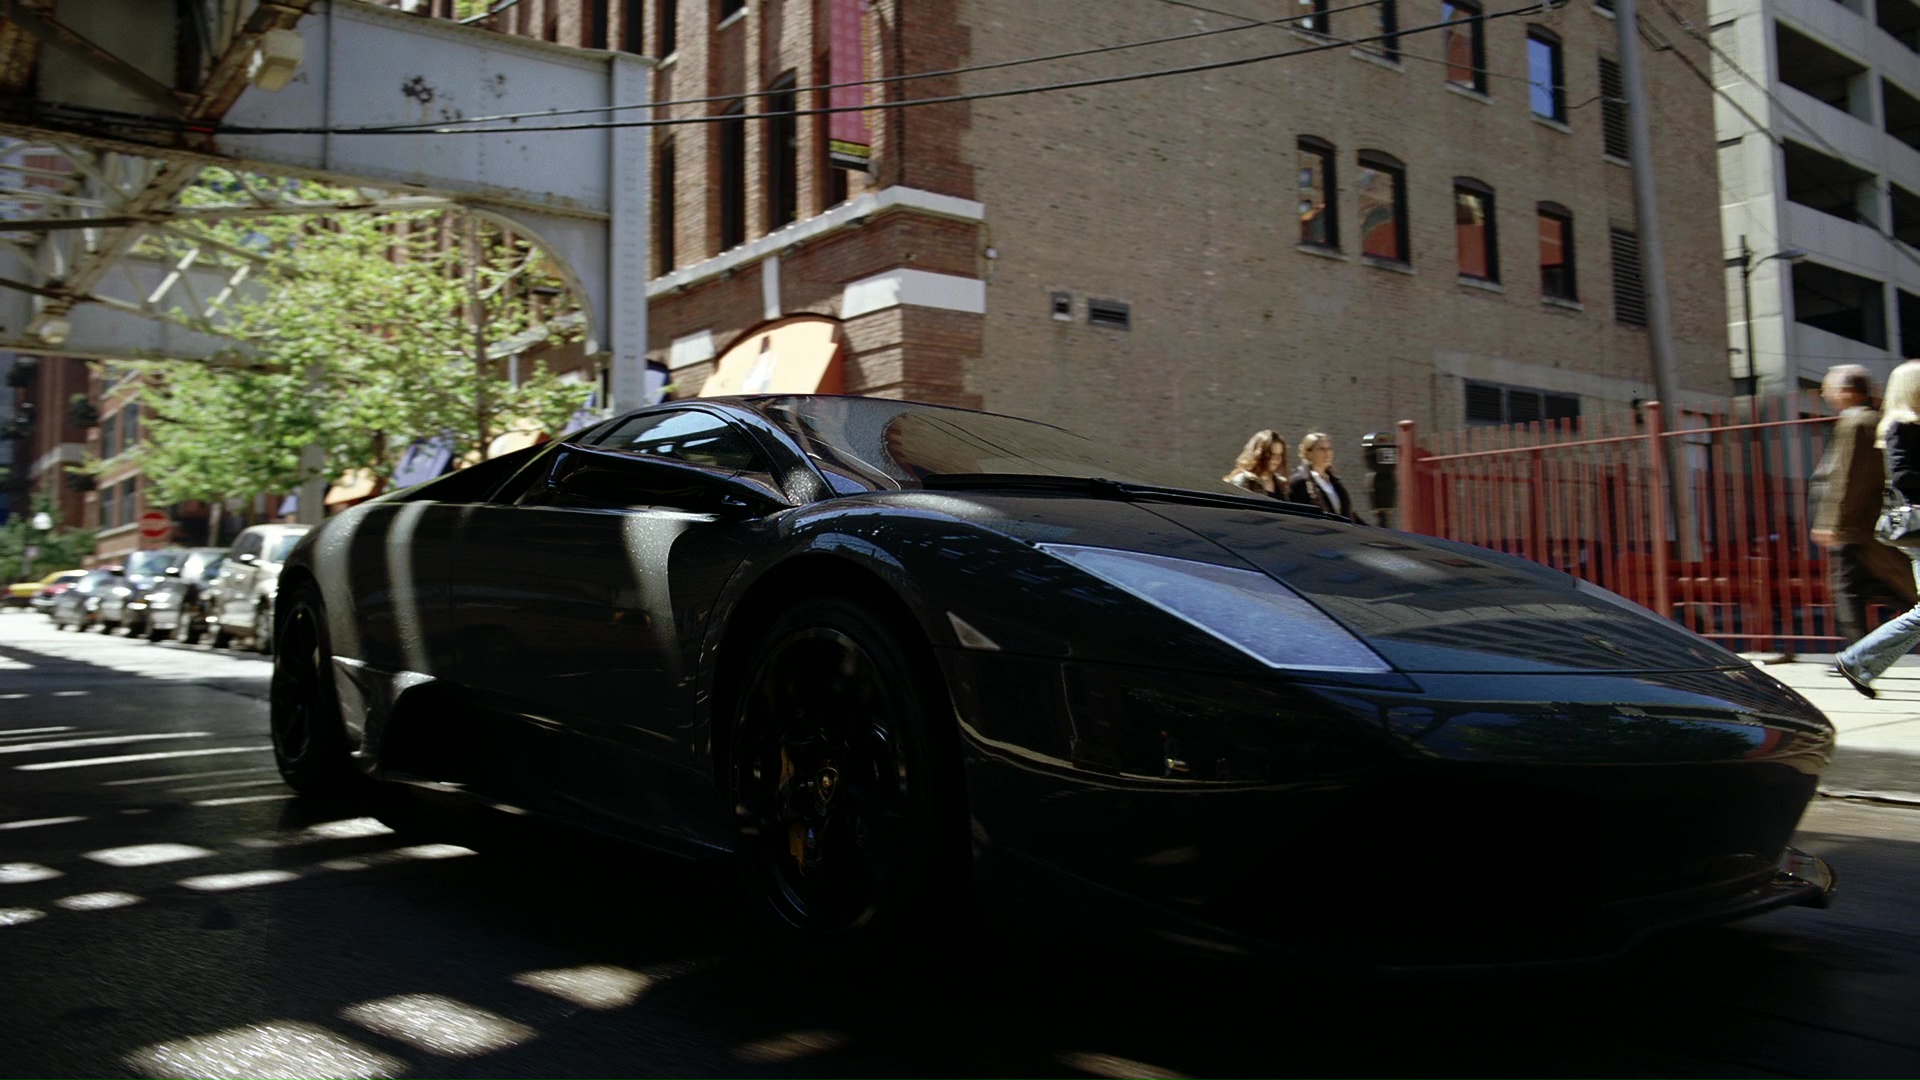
x,y
1889,798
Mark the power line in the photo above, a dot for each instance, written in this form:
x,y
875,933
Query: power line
x,y
884,80
882,106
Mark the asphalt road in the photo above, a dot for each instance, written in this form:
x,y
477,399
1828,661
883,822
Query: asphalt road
x,y
168,909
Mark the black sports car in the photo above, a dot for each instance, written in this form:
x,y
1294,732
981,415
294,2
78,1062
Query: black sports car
x,y
897,657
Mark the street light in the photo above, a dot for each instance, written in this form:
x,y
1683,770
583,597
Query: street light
x,y
1745,385
41,523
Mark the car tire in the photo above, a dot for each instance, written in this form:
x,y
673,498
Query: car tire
x,y
156,635
222,637
844,774
309,740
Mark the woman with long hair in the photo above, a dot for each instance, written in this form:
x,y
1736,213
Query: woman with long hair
x,y
1262,465
1866,659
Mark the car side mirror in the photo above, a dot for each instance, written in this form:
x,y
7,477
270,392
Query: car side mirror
x,y
173,571
248,559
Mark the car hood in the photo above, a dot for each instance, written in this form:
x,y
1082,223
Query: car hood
x,y
1430,605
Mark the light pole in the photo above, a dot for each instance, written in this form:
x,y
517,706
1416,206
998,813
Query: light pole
x,y
1745,385
40,523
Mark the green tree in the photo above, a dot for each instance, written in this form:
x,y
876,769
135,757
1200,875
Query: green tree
x,y
368,331
58,548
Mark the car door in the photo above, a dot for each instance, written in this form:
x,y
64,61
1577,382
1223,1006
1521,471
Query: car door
x,y
579,597
235,587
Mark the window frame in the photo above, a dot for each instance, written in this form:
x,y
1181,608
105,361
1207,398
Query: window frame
x,y
1388,14
732,188
1379,161
781,156
1556,86
1555,212
1467,185
1476,23
1329,190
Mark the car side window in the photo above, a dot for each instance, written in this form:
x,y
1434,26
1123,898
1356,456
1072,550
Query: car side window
x,y
698,438
247,545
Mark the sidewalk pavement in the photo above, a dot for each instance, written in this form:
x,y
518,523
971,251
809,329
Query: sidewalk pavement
x,y
1878,754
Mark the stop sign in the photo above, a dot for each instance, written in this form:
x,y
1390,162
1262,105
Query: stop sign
x,y
155,524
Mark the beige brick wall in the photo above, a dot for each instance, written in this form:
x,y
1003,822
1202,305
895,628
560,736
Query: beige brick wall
x,y
1177,196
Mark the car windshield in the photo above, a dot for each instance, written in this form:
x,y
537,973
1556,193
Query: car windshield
x,y
149,563
283,547
889,444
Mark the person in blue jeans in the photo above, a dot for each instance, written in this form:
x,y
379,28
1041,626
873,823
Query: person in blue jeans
x,y
1866,659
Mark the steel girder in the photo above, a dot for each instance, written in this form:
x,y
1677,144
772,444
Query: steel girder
x,y
581,195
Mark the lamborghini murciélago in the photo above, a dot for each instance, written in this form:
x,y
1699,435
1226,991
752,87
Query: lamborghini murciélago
x,y
898,659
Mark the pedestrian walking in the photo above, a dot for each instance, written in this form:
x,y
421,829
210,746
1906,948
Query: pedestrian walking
x,y
1846,491
1314,483
1262,465
1864,660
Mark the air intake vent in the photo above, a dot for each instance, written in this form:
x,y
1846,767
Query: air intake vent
x,y
1109,313
1629,288
1613,110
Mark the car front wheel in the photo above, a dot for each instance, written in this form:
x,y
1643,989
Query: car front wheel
x,y
844,777
309,743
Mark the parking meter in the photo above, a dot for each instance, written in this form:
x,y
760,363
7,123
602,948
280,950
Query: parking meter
x,y
1381,452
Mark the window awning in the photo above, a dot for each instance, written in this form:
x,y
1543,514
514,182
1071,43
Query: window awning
x,y
801,355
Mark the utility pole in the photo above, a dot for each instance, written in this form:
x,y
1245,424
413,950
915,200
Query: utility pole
x,y
1653,263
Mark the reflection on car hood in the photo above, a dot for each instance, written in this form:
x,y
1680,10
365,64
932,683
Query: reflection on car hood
x,y
1431,605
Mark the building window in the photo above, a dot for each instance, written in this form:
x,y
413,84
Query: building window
x,y
1830,299
1613,110
728,9
1556,253
1473,224
668,31
1388,13
1629,286
782,153
1464,42
109,436
129,426
733,176
1546,82
1490,403
599,33
665,175
1313,15
633,28
1383,207
1319,201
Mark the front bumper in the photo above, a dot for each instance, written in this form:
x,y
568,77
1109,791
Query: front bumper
x,y
1548,820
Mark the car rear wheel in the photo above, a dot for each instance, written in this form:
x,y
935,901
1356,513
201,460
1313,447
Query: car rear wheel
x,y
844,777
309,743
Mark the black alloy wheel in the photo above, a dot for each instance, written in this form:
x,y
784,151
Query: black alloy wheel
x,y
309,743
845,784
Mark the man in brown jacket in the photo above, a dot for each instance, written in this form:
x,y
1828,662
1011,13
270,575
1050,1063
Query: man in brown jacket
x,y
1846,503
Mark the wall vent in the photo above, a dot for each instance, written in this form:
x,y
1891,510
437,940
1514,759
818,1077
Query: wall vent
x,y
1063,306
1114,314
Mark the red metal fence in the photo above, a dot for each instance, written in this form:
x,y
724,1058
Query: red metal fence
x,y
1588,496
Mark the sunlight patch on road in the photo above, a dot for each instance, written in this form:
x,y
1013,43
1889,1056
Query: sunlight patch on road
x,y
1118,1067
787,1047
439,1025
595,986
9,733
71,693
343,829
15,916
20,873
97,901
245,879
14,697
34,823
405,854
275,1048
98,740
41,766
236,800
147,854
174,777
8,663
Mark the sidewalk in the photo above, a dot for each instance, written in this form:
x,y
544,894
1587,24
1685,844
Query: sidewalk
x,y
1879,739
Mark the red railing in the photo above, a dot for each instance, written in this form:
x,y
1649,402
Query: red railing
x,y
1733,560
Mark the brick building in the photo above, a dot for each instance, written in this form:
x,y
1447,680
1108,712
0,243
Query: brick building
x,y
1437,226
43,388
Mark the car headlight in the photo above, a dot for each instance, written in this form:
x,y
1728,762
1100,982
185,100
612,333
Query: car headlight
x,y
1244,608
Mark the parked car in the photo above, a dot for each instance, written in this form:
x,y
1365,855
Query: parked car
x,y
121,605
898,658
22,593
177,605
79,606
43,600
244,589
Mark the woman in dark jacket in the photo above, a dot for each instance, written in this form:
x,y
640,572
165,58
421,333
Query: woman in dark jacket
x,y
1262,465
1866,659
1314,483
